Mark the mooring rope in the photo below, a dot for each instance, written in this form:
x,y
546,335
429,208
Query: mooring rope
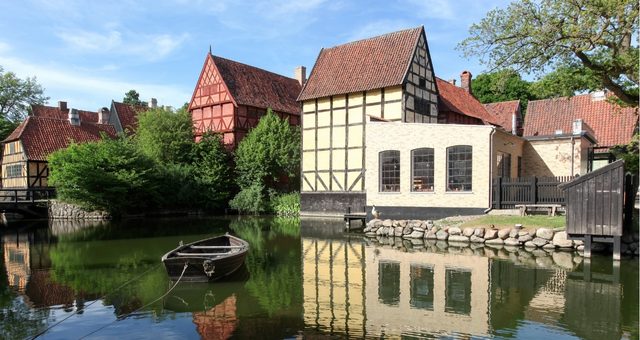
x,y
96,300
124,316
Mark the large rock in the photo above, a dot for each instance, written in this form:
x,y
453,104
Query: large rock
x,y
514,233
504,233
442,235
431,234
416,234
539,241
467,232
564,260
387,223
549,246
560,240
511,241
544,233
529,244
458,238
454,231
406,230
494,241
373,222
479,232
476,239
525,238
397,231
490,234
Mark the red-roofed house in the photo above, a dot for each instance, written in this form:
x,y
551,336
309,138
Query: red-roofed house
x,y
506,114
379,128
573,135
47,129
230,97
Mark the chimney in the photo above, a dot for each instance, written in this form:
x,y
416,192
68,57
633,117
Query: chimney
x,y
452,81
103,116
300,74
577,126
62,106
598,96
514,124
74,117
465,81
153,103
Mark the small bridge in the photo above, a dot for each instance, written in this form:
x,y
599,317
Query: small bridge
x,y
31,202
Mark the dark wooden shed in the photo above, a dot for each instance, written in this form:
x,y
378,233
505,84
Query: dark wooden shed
x,y
594,207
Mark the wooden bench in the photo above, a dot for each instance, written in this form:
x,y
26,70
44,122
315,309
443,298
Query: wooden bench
x,y
550,208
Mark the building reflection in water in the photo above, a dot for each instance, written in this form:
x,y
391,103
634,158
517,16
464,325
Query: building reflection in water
x,y
356,287
17,260
218,322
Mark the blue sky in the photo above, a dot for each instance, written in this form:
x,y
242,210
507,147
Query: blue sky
x,y
89,52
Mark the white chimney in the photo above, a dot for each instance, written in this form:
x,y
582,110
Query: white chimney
x,y
74,117
300,74
577,126
452,81
103,116
514,124
153,103
598,96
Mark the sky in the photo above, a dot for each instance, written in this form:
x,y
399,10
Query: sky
x,y
90,52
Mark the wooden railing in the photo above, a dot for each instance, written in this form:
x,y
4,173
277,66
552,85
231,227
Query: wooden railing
x,y
507,192
31,195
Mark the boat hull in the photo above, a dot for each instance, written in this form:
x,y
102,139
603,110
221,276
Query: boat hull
x,y
203,267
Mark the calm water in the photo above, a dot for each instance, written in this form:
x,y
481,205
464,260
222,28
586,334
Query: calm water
x,y
301,279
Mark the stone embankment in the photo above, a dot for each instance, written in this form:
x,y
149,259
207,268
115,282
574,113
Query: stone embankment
x,y
66,211
530,239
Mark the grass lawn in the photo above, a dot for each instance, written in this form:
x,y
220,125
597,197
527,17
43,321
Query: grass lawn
x,y
528,222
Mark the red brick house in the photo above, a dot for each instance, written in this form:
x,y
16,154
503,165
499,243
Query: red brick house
x,y
230,97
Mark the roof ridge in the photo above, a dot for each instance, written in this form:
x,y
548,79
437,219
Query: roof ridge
x,y
375,37
254,67
505,101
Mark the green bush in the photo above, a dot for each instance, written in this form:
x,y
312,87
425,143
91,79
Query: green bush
x,y
286,204
250,200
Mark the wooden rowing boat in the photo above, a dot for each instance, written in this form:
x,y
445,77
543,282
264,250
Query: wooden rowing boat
x,y
207,260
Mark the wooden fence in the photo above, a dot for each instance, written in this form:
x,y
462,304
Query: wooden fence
x,y
507,192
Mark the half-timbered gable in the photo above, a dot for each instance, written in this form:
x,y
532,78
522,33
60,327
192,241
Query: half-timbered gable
x,y
420,95
230,98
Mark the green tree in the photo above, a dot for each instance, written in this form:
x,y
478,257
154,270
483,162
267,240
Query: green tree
x,y
212,162
109,174
501,86
133,98
535,35
6,127
268,154
17,95
565,81
165,136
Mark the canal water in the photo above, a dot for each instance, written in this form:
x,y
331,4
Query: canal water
x,y
301,279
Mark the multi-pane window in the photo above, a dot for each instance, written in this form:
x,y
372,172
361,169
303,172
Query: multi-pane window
x,y
12,148
422,169
504,164
421,105
390,170
14,171
459,171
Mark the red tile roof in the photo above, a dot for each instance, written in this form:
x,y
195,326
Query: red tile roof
x,y
456,99
54,112
41,136
503,112
610,123
256,87
128,115
362,65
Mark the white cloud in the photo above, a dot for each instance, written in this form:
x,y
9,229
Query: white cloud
x,y
86,91
4,47
151,47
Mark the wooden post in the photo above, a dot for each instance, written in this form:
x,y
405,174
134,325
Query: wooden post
x,y
587,246
586,269
534,190
616,248
499,194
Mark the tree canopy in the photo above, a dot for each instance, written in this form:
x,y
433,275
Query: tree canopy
x,y
501,86
17,95
164,135
594,38
133,98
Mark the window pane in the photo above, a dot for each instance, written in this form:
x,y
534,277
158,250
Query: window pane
x,y
390,170
421,287
459,169
422,165
457,291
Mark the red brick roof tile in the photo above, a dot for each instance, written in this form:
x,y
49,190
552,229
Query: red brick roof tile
x,y
54,112
610,123
256,87
41,136
362,65
503,112
128,115
456,99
